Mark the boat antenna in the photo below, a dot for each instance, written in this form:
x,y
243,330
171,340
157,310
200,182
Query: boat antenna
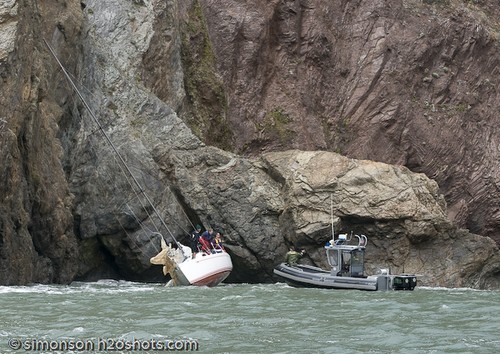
x,y
120,158
331,216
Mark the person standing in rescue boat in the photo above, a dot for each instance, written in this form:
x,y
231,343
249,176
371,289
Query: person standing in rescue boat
x,y
292,256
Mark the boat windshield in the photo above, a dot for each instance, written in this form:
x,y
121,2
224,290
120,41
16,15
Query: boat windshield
x,y
332,257
357,263
346,262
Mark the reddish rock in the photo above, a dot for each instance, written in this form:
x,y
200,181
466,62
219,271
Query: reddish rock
x,y
413,83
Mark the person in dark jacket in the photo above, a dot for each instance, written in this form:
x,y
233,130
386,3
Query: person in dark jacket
x,y
292,256
194,239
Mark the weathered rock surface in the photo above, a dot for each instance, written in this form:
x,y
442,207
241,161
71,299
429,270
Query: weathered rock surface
x,y
289,197
68,212
402,212
37,243
413,83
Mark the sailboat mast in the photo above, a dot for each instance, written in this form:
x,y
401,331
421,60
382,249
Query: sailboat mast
x,y
106,136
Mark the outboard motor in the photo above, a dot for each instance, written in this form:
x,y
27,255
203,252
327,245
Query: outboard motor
x,y
404,282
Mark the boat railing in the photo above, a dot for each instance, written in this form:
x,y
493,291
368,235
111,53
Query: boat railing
x,y
209,248
218,248
345,240
362,240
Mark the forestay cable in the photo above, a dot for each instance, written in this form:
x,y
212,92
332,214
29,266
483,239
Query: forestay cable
x,y
120,158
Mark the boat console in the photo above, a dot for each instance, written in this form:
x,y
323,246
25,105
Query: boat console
x,y
347,259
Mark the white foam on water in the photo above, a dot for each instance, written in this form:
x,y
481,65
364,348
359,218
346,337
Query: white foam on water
x,y
36,288
440,288
101,286
233,297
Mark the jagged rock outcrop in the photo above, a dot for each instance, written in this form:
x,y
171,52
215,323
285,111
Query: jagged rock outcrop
x,y
68,212
293,197
413,83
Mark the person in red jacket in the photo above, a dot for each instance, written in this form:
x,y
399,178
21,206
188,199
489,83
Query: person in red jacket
x,y
206,240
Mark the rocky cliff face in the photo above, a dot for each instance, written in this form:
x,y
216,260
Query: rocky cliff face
x,y
37,243
413,83
256,77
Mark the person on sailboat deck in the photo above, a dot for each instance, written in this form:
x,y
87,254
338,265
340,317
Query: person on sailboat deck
x,y
292,257
194,239
206,240
218,241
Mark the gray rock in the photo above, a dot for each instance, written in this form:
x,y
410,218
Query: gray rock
x,y
68,211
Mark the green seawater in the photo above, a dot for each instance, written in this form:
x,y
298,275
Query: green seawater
x,y
245,318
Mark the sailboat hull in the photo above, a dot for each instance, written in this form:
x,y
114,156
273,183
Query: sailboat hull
x,y
206,269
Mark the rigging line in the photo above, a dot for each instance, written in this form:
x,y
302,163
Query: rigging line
x,y
93,96
145,230
107,124
131,184
186,215
75,79
89,92
139,221
133,188
143,227
143,207
187,232
111,144
183,211
137,195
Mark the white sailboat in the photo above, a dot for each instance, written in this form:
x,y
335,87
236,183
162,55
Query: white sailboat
x,y
201,269
204,268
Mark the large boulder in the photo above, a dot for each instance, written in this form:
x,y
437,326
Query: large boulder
x,y
401,212
295,197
